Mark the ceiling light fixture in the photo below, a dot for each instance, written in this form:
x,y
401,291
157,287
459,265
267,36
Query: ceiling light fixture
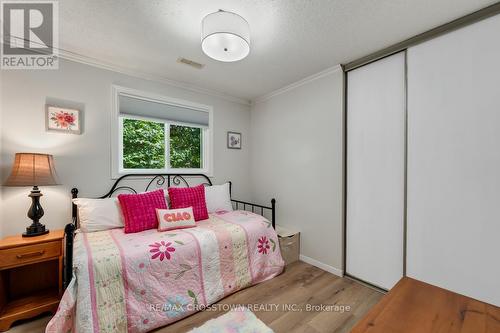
x,y
225,36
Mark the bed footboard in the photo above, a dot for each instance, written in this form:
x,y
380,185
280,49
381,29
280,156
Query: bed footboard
x,y
256,208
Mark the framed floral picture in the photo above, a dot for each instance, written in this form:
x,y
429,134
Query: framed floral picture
x,y
233,140
62,120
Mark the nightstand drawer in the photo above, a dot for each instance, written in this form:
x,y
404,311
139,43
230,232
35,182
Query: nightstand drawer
x,y
23,255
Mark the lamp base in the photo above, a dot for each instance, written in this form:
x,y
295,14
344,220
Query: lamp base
x,y
35,229
35,213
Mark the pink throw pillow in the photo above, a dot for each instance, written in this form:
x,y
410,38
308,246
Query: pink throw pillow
x,y
183,197
139,210
170,219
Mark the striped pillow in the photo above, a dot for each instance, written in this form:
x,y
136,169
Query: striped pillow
x,y
183,197
139,210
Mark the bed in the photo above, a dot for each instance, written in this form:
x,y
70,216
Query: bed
x,y
119,282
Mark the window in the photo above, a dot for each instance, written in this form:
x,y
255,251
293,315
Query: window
x,y
160,135
143,144
185,147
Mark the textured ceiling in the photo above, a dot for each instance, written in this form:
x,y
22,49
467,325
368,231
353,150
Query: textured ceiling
x,y
290,39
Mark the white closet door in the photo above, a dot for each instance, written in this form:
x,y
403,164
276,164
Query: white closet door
x,y
375,171
454,161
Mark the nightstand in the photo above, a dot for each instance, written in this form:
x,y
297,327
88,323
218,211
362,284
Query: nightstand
x,y
31,271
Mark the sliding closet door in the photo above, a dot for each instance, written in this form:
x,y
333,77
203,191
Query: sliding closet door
x,y
376,171
454,161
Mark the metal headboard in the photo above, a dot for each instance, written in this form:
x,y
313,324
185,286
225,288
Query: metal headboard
x,y
160,179
164,180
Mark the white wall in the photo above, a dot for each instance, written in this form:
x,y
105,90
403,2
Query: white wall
x,y
84,160
296,140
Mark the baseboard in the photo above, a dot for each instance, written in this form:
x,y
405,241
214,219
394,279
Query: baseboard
x,y
323,266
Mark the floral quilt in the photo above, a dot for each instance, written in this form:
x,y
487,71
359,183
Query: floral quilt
x,y
138,282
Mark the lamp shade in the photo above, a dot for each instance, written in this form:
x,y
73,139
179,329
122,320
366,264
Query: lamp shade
x,y
225,36
31,169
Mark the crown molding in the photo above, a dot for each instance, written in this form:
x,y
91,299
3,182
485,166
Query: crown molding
x,y
79,58
297,84
86,60
75,57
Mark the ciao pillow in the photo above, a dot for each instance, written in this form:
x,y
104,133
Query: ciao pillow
x,y
169,219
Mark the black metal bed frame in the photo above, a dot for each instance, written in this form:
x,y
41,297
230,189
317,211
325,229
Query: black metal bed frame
x,y
164,180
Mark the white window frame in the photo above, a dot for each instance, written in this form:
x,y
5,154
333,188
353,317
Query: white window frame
x,y
117,168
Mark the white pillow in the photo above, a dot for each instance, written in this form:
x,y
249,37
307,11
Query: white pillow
x,y
218,198
99,214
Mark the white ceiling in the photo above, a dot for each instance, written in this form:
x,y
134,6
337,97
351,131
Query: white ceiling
x,y
290,39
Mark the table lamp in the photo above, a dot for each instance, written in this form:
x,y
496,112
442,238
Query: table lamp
x,y
31,169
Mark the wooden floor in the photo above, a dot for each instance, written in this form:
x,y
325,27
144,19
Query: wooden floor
x,y
300,284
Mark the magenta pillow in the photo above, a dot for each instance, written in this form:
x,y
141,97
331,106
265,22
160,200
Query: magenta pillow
x,y
139,210
183,197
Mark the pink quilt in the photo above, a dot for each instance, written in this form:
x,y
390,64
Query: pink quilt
x,y
137,282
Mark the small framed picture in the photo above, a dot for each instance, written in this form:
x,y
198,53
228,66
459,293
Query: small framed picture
x,y
233,140
62,119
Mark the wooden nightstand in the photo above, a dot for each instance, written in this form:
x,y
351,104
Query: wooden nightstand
x,y
31,271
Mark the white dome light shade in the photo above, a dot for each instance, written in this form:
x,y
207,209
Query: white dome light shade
x,y
225,36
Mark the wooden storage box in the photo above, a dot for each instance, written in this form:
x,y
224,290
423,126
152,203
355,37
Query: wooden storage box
x,y
289,244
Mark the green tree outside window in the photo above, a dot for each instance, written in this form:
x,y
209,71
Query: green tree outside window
x,y
185,147
144,145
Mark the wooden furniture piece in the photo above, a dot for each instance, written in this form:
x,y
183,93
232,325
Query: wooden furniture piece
x,y
30,276
413,306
